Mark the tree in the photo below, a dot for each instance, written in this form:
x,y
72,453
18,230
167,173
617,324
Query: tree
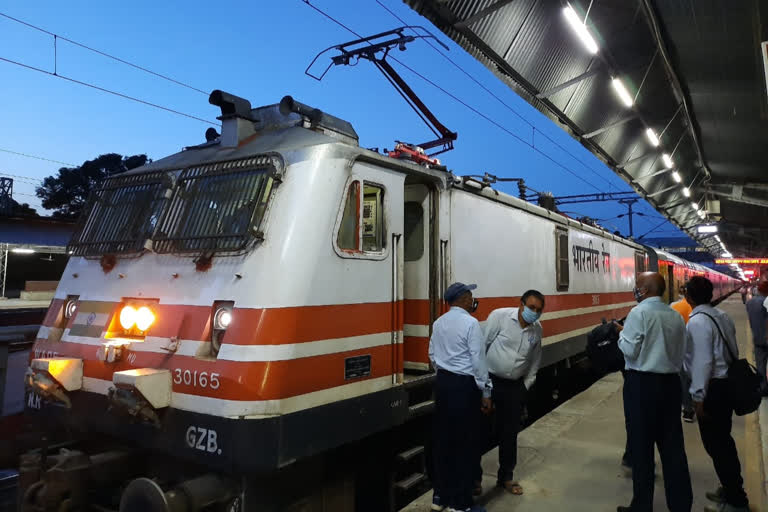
x,y
22,209
67,193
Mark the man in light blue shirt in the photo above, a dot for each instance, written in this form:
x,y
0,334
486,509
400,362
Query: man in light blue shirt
x,y
653,343
462,391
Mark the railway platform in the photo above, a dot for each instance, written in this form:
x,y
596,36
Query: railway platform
x,y
569,460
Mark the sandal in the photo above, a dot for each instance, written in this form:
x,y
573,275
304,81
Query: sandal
x,y
513,488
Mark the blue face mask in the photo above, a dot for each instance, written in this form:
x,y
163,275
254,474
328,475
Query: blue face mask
x,y
529,315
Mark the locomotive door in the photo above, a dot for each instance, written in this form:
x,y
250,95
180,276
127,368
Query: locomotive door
x,y
417,276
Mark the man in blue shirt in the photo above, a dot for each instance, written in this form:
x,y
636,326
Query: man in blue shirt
x,y
758,317
653,343
462,391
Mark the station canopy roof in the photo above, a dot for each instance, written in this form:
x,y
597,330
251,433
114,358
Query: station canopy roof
x,y
694,73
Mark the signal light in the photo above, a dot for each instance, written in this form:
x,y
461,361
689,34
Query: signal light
x,y
222,318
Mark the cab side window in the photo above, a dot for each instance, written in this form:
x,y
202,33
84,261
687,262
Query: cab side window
x,y
362,228
562,262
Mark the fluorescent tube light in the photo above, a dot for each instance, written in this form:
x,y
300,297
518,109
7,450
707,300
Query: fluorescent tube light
x,y
652,137
707,229
668,163
686,192
580,29
622,92
21,250
694,205
676,177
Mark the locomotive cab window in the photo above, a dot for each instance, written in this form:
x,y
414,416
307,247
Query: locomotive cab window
x,y
562,263
362,228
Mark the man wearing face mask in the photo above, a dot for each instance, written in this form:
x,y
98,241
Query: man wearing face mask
x,y
513,337
653,342
462,391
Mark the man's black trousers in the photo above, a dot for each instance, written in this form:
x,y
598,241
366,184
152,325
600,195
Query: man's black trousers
x,y
456,430
715,429
652,402
508,397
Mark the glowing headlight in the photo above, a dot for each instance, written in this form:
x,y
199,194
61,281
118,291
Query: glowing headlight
x,y
128,317
70,308
222,318
144,318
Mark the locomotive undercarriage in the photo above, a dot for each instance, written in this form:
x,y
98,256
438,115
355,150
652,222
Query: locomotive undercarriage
x,y
179,466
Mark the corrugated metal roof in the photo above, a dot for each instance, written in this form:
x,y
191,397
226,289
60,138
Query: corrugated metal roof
x,y
695,67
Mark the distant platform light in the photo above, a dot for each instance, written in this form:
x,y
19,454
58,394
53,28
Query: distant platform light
x,y
581,30
622,92
712,228
686,192
652,137
668,162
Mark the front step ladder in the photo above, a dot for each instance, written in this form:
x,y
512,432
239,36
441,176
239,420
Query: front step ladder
x,y
412,467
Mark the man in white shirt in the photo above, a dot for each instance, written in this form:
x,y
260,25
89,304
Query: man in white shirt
x,y
710,339
462,391
513,337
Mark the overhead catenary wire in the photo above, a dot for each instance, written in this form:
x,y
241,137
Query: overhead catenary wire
x,y
37,157
23,179
102,53
108,91
459,100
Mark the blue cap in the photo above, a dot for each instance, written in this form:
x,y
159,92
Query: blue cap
x,y
456,290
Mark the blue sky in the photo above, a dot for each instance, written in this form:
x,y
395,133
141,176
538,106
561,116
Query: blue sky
x,y
259,50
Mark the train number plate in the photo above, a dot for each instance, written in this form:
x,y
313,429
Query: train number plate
x,y
356,367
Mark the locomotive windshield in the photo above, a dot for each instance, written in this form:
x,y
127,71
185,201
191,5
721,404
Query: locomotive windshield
x,y
216,207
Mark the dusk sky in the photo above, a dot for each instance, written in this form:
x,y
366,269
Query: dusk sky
x,y
259,50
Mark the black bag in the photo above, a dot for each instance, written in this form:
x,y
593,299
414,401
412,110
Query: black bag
x,y
603,348
743,380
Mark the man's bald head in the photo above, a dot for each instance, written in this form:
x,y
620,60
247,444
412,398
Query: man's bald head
x,y
652,283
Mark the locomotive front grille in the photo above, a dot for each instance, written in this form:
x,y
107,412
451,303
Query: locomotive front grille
x,y
121,215
217,207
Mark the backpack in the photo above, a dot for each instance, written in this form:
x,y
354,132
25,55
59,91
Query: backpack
x,y
603,348
743,380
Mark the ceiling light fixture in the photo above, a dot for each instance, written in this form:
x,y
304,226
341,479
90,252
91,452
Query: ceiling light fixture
x,y
622,92
676,177
668,163
707,229
652,137
695,205
686,192
581,30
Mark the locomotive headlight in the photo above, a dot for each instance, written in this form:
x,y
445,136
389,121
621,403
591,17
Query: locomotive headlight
x,y
70,308
128,317
144,318
222,319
